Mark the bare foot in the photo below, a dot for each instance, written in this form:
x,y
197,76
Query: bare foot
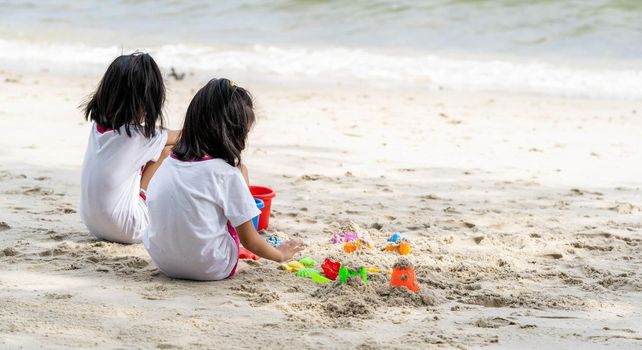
x,y
242,267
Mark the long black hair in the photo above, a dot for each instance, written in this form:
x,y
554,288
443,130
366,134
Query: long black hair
x,y
216,123
131,93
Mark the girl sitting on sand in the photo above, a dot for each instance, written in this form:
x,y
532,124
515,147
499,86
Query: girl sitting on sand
x,y
125,148
199,196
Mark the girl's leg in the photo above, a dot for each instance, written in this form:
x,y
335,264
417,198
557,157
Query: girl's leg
x,y
242,267
151,167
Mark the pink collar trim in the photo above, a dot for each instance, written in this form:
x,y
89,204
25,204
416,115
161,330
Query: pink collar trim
x,y
102,129
173,155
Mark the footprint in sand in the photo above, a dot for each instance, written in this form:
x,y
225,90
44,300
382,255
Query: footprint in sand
x,y
579,192
315,177
8,175
9,251
56,236
120,264
582,245
311,177
53,252
154,294
58,296
63,210
431,197
553,255
493,322
624,208
469,225
451,210
256,296
4,226
38,191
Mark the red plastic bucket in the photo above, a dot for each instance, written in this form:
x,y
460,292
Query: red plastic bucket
x,y
265,194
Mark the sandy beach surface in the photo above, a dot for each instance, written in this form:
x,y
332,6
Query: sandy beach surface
x,y
524,214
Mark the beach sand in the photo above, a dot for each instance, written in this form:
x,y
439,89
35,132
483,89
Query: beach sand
x,y
524,214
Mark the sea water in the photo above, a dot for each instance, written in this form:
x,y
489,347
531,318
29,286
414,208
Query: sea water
x,y
563,47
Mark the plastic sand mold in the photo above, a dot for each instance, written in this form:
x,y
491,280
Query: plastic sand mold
x,y
345,273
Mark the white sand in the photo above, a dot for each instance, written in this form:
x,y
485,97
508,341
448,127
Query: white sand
x,y
524,214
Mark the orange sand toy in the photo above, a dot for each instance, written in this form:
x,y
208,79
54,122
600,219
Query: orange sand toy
x,y
390,248
403,248
403,275
350,247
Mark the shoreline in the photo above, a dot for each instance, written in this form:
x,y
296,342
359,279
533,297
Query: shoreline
x,y
353,67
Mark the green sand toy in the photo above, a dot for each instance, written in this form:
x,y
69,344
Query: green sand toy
x,y
308,261
345,273
313,275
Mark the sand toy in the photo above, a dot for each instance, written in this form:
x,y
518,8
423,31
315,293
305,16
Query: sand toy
x,y
255,220
265,194
348,236
303,268
313,275
351,247
292,266
345,273
247,255
403,275
396,237
330,268
274,241
308,261
403,247
295,266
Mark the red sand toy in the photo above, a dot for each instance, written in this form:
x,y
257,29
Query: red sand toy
x,y
247,255
331,268
403,275
265,194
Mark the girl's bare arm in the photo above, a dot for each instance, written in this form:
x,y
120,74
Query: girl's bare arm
x,y
253,242
172,137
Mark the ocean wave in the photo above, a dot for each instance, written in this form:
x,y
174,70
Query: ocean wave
x,y
328,65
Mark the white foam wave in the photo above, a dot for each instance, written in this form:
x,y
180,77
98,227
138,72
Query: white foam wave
x,y
343,64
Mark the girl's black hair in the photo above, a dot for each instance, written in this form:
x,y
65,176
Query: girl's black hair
x,y
217,123
131,93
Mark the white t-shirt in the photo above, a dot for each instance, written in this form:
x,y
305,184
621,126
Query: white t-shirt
x,y
110,204
190,204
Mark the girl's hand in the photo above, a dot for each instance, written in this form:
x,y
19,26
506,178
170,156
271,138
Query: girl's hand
x,y
253,242
289,248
